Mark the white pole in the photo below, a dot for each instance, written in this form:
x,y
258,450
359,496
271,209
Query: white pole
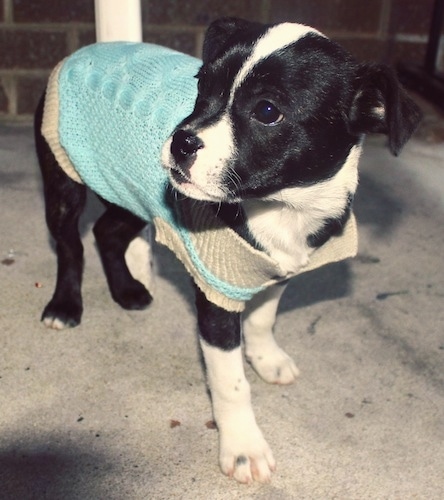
x,y
118,20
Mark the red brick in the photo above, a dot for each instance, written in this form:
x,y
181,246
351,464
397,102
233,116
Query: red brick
x,y
198,12
411,16
408,53
365,49
26,11
330,15
31,49
86,37
29,90
181,41
383,51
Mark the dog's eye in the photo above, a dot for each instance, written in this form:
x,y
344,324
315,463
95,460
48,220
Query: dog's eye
x,y
267,113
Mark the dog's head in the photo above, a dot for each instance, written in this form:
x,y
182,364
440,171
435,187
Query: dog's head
x,y
279,106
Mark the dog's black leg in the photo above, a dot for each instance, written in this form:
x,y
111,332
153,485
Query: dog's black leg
x,y
244,454
64,202
114,231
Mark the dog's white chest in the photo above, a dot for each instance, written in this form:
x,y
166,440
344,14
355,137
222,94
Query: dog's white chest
x,y
283,221
281,232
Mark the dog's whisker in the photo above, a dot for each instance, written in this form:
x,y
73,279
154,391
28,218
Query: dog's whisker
x,y
236,180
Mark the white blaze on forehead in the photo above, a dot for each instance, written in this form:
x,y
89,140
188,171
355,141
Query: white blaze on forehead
x,y
275,38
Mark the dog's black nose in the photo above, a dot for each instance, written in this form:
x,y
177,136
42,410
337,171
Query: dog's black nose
x,y
184,145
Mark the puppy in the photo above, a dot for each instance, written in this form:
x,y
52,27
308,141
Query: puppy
x,y
260,156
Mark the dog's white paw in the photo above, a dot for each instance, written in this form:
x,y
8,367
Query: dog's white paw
x,y
245,455
272,363
243,452
55,323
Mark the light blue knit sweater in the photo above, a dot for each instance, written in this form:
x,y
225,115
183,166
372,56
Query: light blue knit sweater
x,y
109,109
119,103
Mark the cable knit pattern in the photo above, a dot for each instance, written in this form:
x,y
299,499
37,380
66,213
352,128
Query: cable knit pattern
x,y
119,103
109,109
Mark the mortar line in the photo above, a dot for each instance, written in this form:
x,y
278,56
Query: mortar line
x,y
7,12
384,20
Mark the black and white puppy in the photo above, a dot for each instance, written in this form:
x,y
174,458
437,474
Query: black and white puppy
x,y
275,139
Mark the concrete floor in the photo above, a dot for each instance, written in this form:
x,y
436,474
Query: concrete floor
x,y
117,408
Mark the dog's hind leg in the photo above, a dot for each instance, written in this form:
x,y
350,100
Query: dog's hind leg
x,y
64,203
261,349
114,232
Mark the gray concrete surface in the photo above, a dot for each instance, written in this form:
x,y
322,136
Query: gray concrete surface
x,y
86,413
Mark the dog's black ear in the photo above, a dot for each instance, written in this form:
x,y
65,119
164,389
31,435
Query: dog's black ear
x,y
218,33
381,105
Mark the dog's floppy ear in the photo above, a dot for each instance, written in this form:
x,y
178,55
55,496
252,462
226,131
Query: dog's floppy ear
x,y
381,105
218,33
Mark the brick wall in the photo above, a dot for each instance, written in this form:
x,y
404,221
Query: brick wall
x,y
35,35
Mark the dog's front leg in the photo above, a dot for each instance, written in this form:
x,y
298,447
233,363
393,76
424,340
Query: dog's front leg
x,y
244,454
272,363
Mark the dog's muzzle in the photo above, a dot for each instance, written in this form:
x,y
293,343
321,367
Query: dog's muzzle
x,y
189,173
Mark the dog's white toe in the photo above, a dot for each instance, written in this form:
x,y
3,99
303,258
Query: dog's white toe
x,y
247,461
273,364
55,323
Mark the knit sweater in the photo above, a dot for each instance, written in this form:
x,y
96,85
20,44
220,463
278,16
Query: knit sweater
x,y
109,108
